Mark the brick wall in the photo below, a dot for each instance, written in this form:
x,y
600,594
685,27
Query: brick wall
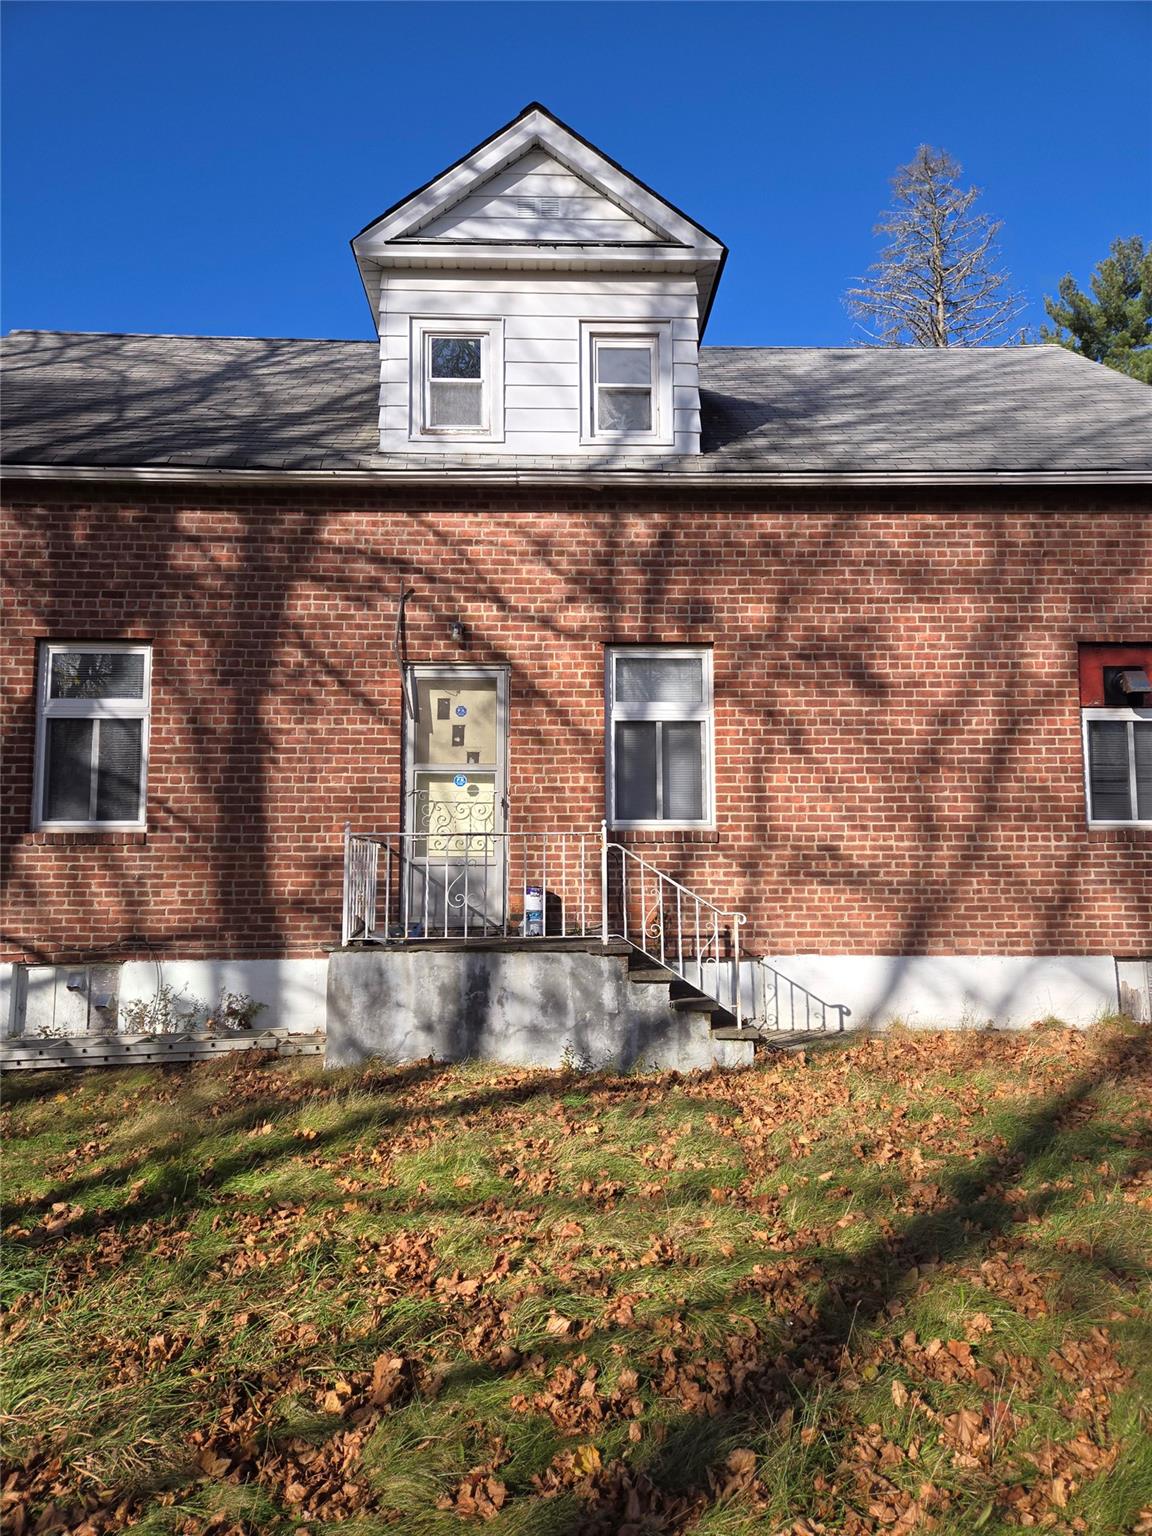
x,y
897,731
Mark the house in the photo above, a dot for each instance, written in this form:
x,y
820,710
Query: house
x,y
538,680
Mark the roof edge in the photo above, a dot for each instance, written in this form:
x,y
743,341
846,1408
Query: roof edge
x,y
592,478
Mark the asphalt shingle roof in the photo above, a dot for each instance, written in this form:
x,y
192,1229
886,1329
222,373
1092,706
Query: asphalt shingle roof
x,y
225,402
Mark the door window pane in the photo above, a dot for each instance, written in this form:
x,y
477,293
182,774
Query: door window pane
x,y
635,757
682,771
68,772
659,680
119,759
457,818
97,675
455,722
1108,770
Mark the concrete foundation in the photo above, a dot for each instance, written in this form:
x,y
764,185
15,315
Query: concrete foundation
x,y
534,1006
962,991
58,1001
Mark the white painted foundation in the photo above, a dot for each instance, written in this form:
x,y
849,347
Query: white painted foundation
x,y
292,990
959,991
924,992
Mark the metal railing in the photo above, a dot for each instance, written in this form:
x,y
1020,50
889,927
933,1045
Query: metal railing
x,y
787,1005
467,884
681,931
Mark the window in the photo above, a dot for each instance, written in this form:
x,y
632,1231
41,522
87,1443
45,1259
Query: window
x,y
659,737
627,383
1116,720
457,379
92,736
1118,766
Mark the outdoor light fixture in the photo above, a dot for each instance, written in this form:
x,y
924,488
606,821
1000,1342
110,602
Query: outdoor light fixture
x,y
1134,680
457,632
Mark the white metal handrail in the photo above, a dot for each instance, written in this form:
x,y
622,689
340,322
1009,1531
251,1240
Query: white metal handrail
x,y
467,884
464,884
683,932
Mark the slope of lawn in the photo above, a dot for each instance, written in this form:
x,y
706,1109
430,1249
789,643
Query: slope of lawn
x,y
899,1285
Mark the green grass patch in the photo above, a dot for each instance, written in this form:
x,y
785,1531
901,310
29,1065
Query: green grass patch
x,y
900,1283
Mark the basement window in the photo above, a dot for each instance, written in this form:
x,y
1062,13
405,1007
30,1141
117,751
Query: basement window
x,y
93,706
659,738
457,380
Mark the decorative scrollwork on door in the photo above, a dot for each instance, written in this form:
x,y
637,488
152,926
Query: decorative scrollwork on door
x,y
454,828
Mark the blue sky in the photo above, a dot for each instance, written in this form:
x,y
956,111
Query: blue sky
x,y
201,167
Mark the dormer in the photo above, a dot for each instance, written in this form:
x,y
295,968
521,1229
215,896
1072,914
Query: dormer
x,y
537,299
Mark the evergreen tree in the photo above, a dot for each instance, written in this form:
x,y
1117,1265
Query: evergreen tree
x,y
936,283
1114,327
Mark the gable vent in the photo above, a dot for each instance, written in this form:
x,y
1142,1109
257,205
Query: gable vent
x,y
540,207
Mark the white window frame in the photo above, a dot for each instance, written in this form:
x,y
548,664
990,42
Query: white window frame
x,y
704,712
425,329
658,334
48,708
1112,714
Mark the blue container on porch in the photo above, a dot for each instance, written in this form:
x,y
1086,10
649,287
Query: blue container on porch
x,y
533,911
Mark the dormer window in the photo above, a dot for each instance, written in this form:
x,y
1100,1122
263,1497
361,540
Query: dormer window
x,y
627,383
455,383
623,377
457,379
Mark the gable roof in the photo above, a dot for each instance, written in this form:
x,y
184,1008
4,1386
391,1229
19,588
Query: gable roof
x,y
422,219
240,405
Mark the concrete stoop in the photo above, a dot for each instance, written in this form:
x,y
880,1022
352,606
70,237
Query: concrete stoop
x,y
532,1003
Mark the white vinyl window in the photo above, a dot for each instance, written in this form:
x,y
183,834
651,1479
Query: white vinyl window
x,y
1118,766
659,737
457,379
627,383
93,704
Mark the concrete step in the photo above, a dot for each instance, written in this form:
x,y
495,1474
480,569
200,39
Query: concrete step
x,y
692,1002
648,972
781,1039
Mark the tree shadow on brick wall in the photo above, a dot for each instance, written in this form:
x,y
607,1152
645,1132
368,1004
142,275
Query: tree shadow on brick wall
x,y
272,623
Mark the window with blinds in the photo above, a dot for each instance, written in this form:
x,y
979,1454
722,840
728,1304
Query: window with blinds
x,y
659,737
1118,766
92,736
1116,720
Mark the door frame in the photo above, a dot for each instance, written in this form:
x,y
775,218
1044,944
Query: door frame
x,y
449,672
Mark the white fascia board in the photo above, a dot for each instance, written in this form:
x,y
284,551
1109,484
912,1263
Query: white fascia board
x,y
534,131
594,477
633,255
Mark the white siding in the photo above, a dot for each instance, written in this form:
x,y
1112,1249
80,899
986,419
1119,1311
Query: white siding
x,y
536,198
541,312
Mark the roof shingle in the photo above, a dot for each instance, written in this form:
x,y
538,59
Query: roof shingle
x,y
224,402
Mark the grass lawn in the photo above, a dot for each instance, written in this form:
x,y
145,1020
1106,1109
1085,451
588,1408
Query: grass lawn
x,y
899,1285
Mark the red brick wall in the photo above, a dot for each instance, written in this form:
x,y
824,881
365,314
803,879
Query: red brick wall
x,y
898,745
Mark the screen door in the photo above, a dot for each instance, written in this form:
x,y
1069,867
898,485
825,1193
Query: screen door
x,y
455,802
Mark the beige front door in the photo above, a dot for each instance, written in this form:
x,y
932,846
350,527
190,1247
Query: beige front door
x,y
455,801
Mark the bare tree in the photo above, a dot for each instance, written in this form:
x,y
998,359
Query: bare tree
x,y
937,283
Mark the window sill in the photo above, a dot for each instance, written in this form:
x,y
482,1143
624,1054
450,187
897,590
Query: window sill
x,y
91,838
671,834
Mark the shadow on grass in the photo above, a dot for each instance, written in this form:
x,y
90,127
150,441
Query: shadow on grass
x,y
856,1290
806,1357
